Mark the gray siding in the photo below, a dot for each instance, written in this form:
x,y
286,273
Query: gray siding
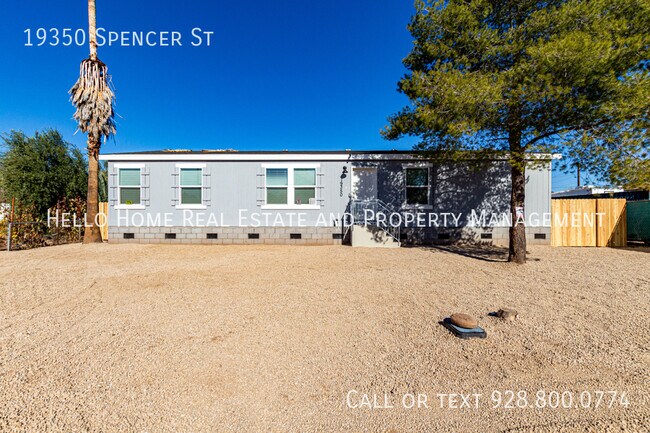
x,y
232,186
235,185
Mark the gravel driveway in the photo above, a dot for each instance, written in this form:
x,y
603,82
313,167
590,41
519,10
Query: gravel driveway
x,y
285,339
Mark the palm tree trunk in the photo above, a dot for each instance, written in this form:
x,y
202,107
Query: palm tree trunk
x,y
92,232
92,29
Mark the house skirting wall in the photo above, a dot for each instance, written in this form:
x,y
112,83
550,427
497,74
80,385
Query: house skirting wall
x,y
314,235
472,235
226,235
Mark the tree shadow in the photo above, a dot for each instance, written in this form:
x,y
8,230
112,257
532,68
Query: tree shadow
x,y
467,202
486,253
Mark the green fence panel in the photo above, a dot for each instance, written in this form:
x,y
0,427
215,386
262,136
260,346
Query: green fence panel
x,y
638,220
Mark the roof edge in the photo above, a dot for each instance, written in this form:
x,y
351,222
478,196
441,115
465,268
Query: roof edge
x,y
311,155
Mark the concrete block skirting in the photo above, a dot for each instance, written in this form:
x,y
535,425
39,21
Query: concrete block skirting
x,y
227,235
315,235
471,235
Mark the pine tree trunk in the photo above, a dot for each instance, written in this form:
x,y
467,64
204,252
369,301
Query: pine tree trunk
x,y
92,29
92,233
517,242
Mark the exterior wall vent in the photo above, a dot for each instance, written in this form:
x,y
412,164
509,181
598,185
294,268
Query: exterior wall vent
x,y
253,236
295,236
170,235
486,235
129,235
212,236
540,235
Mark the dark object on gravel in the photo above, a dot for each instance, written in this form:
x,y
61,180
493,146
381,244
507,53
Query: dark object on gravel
x,y
463,320
463,333
507,314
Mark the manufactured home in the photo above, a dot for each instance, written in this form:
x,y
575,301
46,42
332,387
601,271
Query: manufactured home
x,y
383,198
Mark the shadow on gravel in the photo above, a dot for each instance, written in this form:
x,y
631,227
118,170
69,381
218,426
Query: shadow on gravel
x,y
637,247
485,253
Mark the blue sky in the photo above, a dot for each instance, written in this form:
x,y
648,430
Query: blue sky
x,y
287,74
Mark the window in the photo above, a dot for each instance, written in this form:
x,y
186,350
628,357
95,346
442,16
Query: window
x,y
304,180
417,186
277,185
191,185
291,187
129,186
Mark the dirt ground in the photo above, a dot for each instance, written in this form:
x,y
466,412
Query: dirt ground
x,y
280,339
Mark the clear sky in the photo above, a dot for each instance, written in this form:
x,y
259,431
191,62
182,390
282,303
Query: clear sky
x,y
284,74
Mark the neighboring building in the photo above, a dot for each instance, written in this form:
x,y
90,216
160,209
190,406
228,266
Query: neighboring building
x,y
309,198
590,191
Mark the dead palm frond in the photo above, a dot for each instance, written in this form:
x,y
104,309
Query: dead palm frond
x,y
93,97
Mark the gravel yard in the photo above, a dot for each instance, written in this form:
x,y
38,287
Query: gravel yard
x,y
273,338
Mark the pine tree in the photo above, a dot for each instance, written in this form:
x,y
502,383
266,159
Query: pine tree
x,y
520,76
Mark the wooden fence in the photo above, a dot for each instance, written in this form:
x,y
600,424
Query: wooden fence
x,y
588,222
103,208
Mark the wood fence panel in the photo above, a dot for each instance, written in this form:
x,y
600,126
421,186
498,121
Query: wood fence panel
x,y
612,230
555,228
103,208
577,223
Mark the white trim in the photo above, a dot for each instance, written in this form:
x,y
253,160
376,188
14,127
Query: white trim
x,y
419,164
191,206
129,165
291,186
190,165
291,165
130,206
140,168
180,204
290,207
413,206
288,156
416,207
171,156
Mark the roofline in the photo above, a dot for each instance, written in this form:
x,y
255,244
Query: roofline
x,y
346,155
261,152
588,190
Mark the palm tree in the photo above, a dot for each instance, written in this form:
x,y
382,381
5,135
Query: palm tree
x,y
93,97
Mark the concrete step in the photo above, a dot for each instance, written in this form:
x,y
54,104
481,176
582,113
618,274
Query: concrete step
x,y
371,237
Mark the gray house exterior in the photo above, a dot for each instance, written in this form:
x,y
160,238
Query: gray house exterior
x,y
230,197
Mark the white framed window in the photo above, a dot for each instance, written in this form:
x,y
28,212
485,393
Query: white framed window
x,y
190,186
290,186
277,186
418,186
304,186
129,186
